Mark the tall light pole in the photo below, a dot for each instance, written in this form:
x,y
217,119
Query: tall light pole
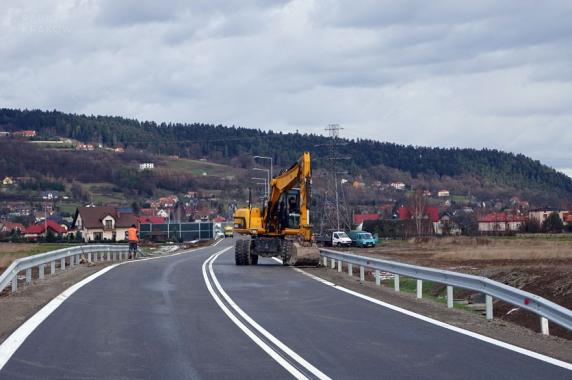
x,y
262,183
267,178
271,165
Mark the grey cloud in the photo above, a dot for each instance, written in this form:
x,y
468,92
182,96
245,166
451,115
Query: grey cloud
x,y
447,73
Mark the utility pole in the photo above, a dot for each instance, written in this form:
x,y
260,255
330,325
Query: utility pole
x,y
334,133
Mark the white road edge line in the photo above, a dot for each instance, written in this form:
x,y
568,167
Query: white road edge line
x,y
447,326
18,337
273,354
315,371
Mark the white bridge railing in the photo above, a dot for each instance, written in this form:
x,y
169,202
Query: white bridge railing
x,y
547,310
60,259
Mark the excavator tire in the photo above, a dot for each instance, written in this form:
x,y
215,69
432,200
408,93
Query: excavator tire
x,y
304,256
286,252
241,253
237,253
247,252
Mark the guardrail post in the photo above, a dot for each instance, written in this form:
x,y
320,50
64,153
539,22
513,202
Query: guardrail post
x,y
544,326
449,296
114,256
419,288
71,260
325,261
333,263
396,282
108,255
53,267
377,277
361,274
41,271
489,307
89,256
78,259
28,275
63,263
339,265
15,283
350,269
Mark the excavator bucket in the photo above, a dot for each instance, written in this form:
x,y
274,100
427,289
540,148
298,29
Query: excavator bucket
x,y
304,256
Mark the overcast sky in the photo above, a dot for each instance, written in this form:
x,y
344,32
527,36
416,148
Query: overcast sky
x,y
477,74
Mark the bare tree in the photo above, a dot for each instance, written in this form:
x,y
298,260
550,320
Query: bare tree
x,y
419,205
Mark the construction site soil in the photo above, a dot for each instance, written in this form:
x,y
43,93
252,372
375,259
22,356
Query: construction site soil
x,y
539,266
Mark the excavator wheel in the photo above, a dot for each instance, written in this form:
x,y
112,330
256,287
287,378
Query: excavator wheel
x,y
286,252
241,249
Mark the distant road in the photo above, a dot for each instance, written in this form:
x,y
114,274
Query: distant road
x,y
197,315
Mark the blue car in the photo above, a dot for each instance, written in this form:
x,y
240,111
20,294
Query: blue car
x,y
362,239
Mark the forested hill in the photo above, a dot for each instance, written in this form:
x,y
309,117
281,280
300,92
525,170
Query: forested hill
x,y
221,143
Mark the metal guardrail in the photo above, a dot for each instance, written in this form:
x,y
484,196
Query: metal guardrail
x,y
547,310
65,256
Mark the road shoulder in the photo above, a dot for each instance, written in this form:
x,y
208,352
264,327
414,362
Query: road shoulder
x,y
555,347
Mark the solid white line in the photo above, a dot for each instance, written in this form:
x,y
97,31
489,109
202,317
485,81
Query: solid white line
x,y
273,354
17,338
447,326
315,371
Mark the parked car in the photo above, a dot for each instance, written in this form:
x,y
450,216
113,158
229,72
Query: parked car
x,y
334,238
362,239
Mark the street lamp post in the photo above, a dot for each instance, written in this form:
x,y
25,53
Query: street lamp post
x,y
271,165
261,183
267,178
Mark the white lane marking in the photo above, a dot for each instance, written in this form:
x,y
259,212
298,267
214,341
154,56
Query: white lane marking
x,y
17,338
315,371
273,354
459,330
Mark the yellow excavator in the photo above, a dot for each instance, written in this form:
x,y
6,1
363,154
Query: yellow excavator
x,y
282,228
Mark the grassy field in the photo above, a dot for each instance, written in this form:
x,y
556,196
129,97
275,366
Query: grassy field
x,y
199,167
12,251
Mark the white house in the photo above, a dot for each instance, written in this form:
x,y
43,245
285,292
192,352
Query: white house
x,y
443,193
103,223
147,166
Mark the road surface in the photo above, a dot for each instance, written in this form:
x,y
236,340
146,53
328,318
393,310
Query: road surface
x,y
197,315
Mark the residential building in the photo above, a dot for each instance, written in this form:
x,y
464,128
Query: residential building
x,y
8,181
39,230
50,195
8,227
151,220
25,133
103,223
85,147
443,193
358,219
398,185
147,166
501,222
541,214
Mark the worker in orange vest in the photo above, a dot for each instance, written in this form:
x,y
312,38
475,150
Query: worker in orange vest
x,y
132,236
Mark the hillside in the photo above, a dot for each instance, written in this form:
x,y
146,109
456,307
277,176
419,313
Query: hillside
x,y
487,171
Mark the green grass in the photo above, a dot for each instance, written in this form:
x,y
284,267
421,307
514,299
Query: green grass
x,y
409,285
13,251
196,167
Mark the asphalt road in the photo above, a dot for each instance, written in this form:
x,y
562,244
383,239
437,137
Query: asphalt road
x,y
188,316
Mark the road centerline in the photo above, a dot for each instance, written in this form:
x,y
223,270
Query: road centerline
x,y
254,325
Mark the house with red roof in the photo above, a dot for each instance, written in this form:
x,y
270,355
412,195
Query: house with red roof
x,y
151,220
8,227
103,223
360,218
39,230
501,222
